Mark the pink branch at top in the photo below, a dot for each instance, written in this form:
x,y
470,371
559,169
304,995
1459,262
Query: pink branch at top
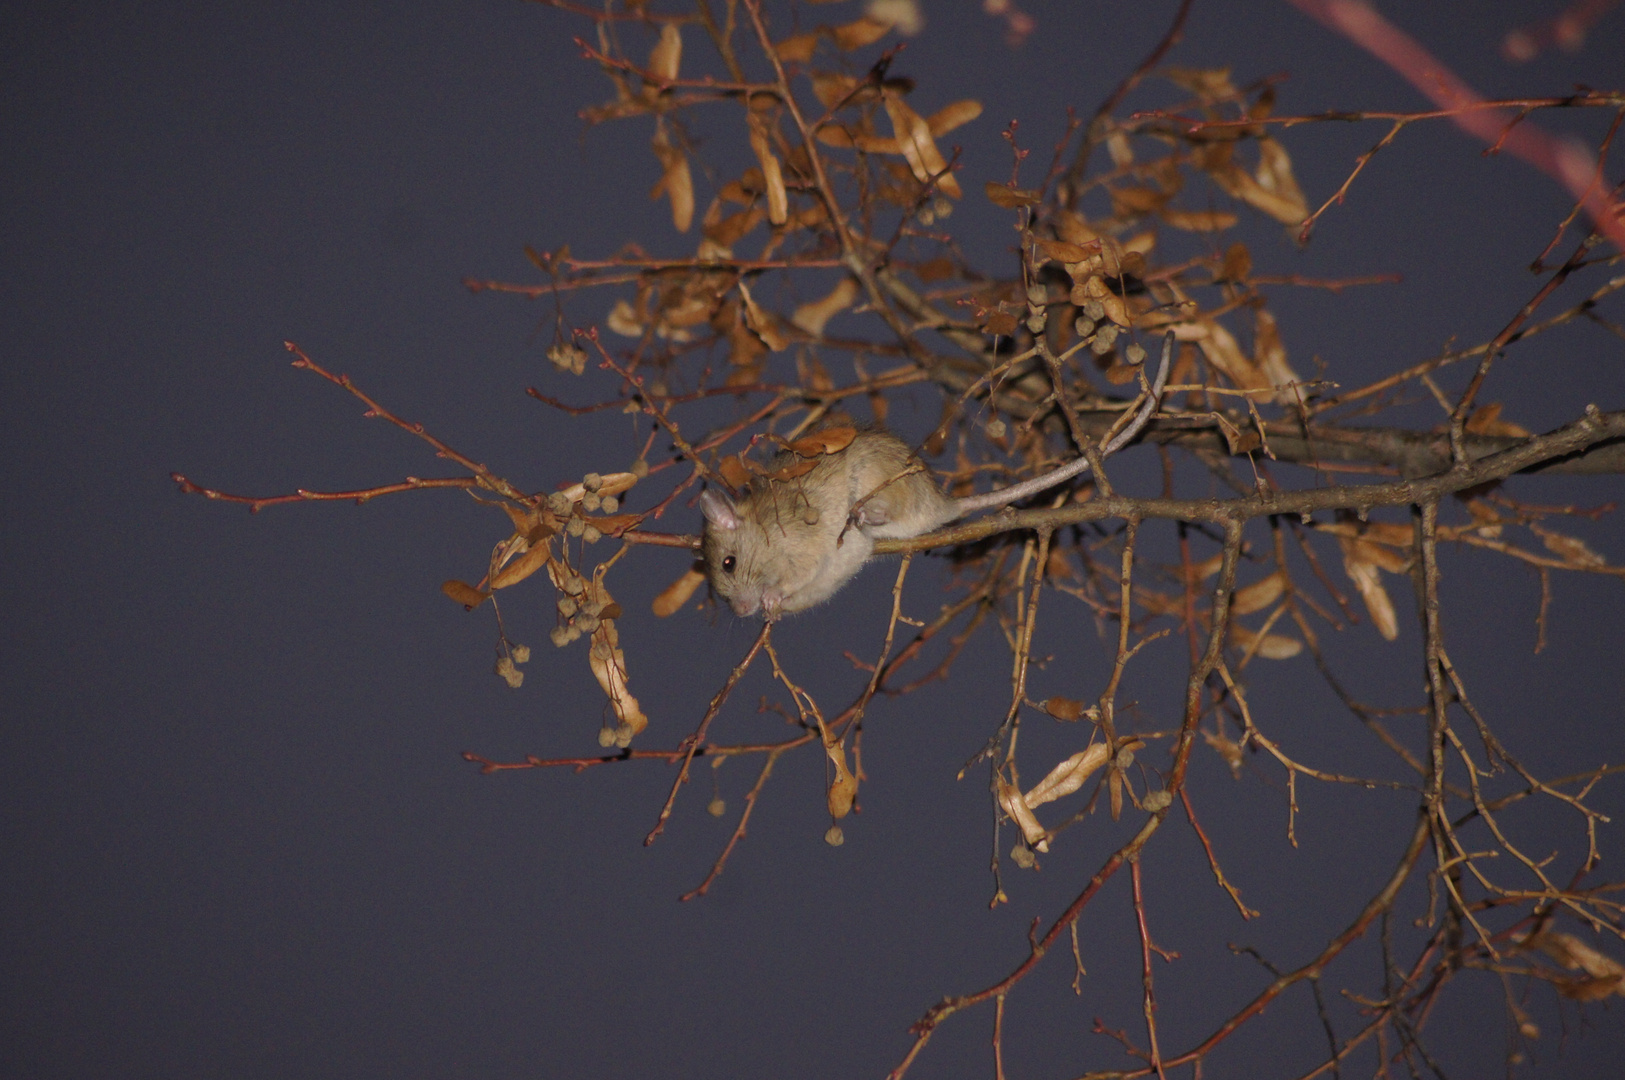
x,y
1566,162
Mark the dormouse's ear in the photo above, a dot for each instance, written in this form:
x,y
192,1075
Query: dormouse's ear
x,y
719,510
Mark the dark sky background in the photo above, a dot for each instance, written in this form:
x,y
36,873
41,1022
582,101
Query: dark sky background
x,y
238,837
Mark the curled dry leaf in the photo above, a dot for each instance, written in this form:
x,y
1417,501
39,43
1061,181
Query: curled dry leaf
x,y
798,49
1269,646
1571,549
953,116
1227,748
675,595
531,560
667,55
843,790
857,34
1011,198
464,593
830,440
1269,352
676,182
608,665
1061,708
812,317
1068,776
919,149
1016,807
734,472
763,323
1199,220
1605,975
778,198
1486,420
1259,595
1360,564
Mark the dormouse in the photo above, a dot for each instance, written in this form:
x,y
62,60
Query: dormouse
x,y
784,546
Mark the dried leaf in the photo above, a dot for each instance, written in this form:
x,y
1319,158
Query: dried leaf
x,y
1132,201
1011,198
1605,974
1274,176
844,788
857,34
1016,807
1269,352
1199,220
667,55
1068,776
830,440
676,182
1000,322
464,593
1228,749
831,87
919,148
1486,420
733,472
953,116
674,596
1269,646
1571,549
763,323
1362,571
798,49
812,317
1061,251
609,668
778,199
1064,708
624,320
733,228
1238,263
1259,595
521,568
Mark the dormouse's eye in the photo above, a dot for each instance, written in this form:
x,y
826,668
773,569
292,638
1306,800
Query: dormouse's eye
x,y
728,565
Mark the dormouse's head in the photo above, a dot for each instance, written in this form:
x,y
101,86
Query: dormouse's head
x,y
773,554
736,559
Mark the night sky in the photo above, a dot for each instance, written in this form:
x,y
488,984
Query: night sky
x,y
239,837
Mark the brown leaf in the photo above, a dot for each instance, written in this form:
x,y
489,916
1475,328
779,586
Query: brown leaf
x,y
675,595
1061,251
798,49
1362,571
464,593
1131,201
1063,708
939,269
608,665
1199,220
1000,322
855,35
667,55
919,148
1269,352
1238,263
764,323
1228,749
778,199
733,228
521,568
952,116
676,182
1269,646
1009,197
1571,549
1259,595
614,524
733,473
812,317
1486,420
1016,807
830,440
1068,776
831,88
